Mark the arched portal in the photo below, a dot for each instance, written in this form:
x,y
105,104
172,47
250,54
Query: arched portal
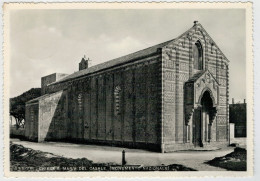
x,y
202,120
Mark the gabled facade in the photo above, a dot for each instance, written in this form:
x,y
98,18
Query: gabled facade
x,y
171,96
194,70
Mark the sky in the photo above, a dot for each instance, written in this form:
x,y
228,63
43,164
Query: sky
x,y
43,42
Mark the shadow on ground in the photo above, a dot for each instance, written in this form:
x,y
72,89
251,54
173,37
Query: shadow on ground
x,y
235,161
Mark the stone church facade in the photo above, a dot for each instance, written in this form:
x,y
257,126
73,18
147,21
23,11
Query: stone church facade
x,y
171,96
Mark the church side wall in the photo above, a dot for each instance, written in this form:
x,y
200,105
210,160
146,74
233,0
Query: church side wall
x,y
56,87
119,106
53,117
31,126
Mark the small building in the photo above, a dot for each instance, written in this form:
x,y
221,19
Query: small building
x,y
46,80
237,116
171,96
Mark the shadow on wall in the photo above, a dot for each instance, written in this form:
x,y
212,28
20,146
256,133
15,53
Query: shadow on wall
x,y
118,109
53,119
62,116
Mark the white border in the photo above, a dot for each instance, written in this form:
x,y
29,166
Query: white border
x,y
131,6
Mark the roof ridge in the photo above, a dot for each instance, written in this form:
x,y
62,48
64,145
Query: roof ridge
x,y
196,75
128,57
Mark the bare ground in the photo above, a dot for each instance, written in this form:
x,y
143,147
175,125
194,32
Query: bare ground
x,y
27,159
235,161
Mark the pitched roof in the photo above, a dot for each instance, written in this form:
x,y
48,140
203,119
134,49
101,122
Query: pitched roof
x,y
196,76
114,62
126,58
37,99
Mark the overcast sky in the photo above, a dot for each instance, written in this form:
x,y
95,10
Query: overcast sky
x,y
49,41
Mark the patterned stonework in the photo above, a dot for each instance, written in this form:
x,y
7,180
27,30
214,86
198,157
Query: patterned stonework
x,y
169,64
212,70
177,80
183,77
169,87
169,107
222,100
222,91
222,120
169,75
223,82
184,66
222,133
169,97
223,73
222,110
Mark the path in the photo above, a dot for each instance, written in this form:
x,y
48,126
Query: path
x,y
104,154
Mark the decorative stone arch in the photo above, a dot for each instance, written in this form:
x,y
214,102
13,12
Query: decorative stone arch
x,y
211,96
204,116
194,90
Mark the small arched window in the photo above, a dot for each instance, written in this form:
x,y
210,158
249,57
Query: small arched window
x,y
198,56
32,115
117,96
80,101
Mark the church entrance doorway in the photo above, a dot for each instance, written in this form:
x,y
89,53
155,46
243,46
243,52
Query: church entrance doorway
x,y
203,117
198,129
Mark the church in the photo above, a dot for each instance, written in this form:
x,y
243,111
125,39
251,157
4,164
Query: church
x,y
168,97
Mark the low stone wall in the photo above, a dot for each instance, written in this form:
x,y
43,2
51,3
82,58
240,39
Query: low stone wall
x,y
239,141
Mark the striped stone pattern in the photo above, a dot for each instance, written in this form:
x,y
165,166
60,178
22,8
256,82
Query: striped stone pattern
x,y
177,68
215,63
175,72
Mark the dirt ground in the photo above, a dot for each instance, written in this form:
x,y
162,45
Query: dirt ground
x,y
107,154
235,161
26,160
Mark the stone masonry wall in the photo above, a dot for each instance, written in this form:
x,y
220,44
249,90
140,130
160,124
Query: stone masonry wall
x,y
45,81
53,117
238,117
118,106
177,68
31,126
